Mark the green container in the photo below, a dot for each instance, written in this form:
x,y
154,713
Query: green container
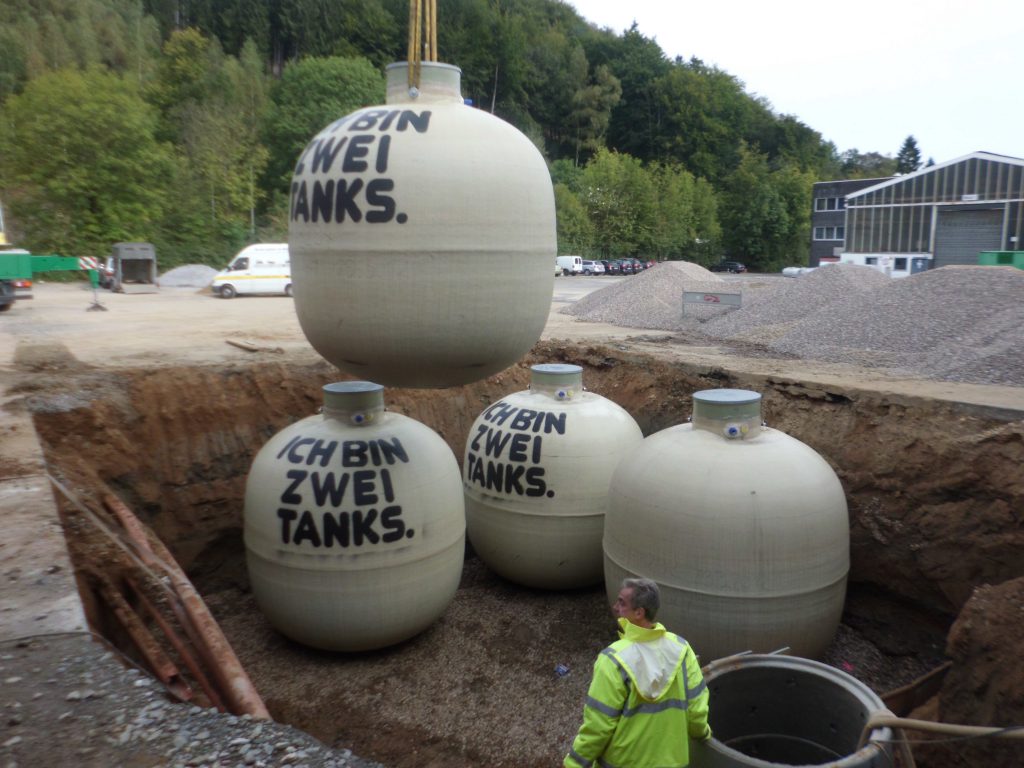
x,y
1001,259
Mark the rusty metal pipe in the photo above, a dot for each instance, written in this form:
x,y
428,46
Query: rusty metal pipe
x,y
180,647
165,669
239,692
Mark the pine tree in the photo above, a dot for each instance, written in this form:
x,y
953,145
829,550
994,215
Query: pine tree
x,y
909,158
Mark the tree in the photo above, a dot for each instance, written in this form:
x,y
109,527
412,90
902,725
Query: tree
x,y
870,165
310,95
592,109
81,163
908,159
765,212
575,232
620,199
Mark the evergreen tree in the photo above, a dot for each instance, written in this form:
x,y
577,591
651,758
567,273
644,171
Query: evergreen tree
x,y
908,159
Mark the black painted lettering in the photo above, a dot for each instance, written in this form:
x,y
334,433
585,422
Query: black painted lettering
x,y
345,202
306,530
363,487
323,200
477,475
517,448
513,475
288,446
324,153
499,412
383,149
358,148
391,521
362,527
287,516
495,476
523,419
336,530
294,457
290,496
328,488
495,442
537,449
418,122
387,121
535,483
364,121
353,453
393,450
301,208
480,432
385,481
556,422
382,207
321,451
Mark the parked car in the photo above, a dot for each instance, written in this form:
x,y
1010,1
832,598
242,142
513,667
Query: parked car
x,y
626,266
593,267
611,267
571,265
728,266
650,263
638,266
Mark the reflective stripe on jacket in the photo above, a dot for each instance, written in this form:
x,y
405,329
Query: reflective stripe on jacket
x,y
647,695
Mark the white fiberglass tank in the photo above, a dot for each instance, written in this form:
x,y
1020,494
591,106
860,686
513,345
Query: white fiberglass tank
x,y
537,468
354,524
422,234
744,528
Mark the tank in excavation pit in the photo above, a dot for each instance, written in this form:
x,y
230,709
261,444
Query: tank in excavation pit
x,y
536,471
422,234
744,528
354,524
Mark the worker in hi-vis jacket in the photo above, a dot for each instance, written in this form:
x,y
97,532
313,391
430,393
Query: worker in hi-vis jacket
x,y
647,696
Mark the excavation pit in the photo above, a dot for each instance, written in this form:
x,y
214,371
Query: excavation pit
x,y
927,507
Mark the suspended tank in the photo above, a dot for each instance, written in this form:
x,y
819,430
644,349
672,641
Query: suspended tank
x,y
354,524
537,468
744,528
422,234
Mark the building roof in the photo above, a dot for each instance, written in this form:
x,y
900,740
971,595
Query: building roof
x,y
932,168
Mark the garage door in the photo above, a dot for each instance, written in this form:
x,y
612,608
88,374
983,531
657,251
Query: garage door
x,y
961,235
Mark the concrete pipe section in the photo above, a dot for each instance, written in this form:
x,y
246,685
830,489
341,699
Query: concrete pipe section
x,y
769,710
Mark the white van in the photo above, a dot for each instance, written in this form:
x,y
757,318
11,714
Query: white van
x,y
259,268
571,265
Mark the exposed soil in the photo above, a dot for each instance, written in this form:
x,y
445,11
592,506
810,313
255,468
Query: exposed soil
x,y
933,481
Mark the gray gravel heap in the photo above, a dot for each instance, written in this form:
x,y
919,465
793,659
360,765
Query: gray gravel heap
x,y
962,323
188,276
651,299
781,304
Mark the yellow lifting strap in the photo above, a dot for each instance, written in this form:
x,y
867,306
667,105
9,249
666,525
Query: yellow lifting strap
x,y
422,37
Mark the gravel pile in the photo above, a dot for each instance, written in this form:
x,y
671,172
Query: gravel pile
x,y
652,299
68,701
954,324
771,312
188,276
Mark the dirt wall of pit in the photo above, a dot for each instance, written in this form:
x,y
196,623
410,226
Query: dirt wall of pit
x,y
934,487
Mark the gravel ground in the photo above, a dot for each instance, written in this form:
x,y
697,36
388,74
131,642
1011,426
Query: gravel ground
x,y
68,701
951,324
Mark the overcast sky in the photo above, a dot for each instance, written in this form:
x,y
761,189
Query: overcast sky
x,y
866,73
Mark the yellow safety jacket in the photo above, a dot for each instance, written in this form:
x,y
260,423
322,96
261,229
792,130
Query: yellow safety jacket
x,y
646,698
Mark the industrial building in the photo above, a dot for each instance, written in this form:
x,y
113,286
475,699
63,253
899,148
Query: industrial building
x,y
940,215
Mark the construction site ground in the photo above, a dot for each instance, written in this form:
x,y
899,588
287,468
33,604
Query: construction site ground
x,y
932,470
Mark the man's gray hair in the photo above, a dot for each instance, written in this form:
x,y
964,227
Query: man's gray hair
x,y
645,595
